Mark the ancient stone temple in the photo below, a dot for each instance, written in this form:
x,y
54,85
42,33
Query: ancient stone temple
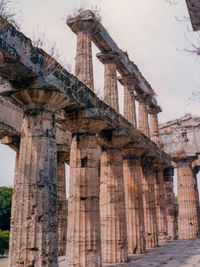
x,y
121,189
180,139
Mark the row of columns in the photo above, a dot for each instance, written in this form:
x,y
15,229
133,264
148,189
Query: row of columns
x,y
97,229
84,72
126,195
126,182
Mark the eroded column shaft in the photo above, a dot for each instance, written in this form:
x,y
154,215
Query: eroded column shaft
x,y
154,128
148,194
187,214
35,216
143,123
84,66
110,86
61,205
170,208
160,201
129,98
110,78
83,232
112,207
134,204
13,214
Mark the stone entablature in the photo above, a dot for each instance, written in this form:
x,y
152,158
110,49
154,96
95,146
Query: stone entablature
x,y
180,138
105,43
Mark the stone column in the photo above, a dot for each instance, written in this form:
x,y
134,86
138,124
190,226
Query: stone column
x,y
187,200
129,99
35,216
83,231
112,204
154,127
168,174
143,122
109,60
195,171
148,194
160,200
134,201
13,214
84,65
62,207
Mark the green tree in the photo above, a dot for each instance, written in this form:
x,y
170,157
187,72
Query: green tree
x,y
5,207
4,241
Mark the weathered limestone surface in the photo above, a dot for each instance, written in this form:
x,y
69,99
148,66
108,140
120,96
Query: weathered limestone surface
x,y
61,203
188,223
195,171
134,201
35,218
168,174
83,234
143,123
110,79
13,214
84,66
194,11
125,66
129,99
112,207
154,128
148,194
180,139
160,201
39,85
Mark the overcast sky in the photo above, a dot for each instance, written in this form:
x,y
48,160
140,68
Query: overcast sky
x,y
154,33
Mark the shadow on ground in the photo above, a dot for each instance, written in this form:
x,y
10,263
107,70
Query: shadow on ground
x,y
178,253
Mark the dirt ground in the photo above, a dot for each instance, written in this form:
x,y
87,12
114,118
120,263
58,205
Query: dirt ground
x,y
178,253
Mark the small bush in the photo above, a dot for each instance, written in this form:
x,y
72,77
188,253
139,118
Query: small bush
x,y
4,241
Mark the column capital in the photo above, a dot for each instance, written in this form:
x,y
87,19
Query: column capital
x,y
142,98
109,57
82,121
127,80
154,110
184,161
39,98
110,139
81,25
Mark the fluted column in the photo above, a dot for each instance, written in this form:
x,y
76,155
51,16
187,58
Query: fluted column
x,y
195,171
134,201
61,205
84,65
168,174
109,60
160,200
148,194
143,122
83,232
154,127
112,206
187,203
35,215
13,213
129,99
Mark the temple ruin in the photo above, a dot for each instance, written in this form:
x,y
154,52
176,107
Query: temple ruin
x,y
121,198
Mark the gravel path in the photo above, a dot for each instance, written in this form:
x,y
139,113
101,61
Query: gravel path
x,y
179,253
